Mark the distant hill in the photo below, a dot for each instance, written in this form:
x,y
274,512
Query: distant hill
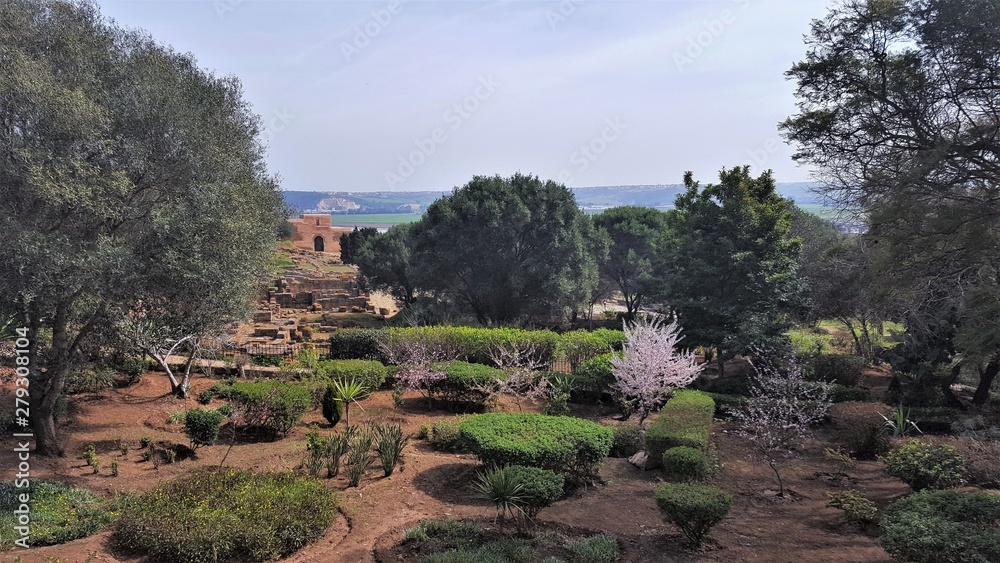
x,y
589,198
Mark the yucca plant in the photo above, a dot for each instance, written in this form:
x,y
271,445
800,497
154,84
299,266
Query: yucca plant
x,y
502,487
347,392
899,424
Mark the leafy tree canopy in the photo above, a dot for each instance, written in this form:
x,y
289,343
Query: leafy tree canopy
x,y
631,232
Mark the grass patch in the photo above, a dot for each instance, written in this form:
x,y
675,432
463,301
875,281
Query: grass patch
x,y
58,513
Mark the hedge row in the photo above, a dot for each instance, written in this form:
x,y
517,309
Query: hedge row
x,y
571,446
270,405
463,385
371,373
684,421
475,345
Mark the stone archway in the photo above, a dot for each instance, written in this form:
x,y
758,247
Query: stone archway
x,y
318,244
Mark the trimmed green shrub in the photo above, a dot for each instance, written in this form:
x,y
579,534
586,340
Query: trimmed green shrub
x,y
332,409
684,421
943,527
615,339
369,372
356,344
473,344
271,405
578,346
629,439
602,548
462,387
58,513
925,466
202,426
567,445
223,516
841,394
445,435
693,507
685,464
592,379
842,369
539,487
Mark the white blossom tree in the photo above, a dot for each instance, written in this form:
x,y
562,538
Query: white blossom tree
x,y
781,408
650,366
520,362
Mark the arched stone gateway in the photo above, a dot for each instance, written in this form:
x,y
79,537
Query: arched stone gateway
x,y
318,244
313,226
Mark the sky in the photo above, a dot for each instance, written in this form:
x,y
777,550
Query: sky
x,y
423,95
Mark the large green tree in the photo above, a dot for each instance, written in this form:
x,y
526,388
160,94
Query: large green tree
x,y
631,232
507,250
727,266
384,262
899,113
131,182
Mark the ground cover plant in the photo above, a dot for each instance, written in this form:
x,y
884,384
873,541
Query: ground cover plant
x,y
228,515
58,513
925,466
943,527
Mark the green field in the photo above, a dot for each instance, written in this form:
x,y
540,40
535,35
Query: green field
x,y
383,220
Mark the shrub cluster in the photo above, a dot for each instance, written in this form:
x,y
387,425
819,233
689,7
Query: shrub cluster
x,y
271,405
684,421
602,548
684,463
629,439
58,513
857,509
579,346
592,378
223,516
925,466
465,385
539,487
943,527
567,445
693,507
356,344
444,434
371,373
842,369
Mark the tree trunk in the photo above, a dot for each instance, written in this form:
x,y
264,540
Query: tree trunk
x,y
986,377
51,385
950,398
722,364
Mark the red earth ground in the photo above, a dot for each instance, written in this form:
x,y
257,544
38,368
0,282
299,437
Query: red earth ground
x,y
433,484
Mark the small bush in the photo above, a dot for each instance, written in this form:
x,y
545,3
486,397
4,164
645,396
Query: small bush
x,y
571,446
943,527
371,373
602,548
271,405
842,369
925,466
613,338
202,426
684,421
693,507
539,488
860,430
725,404
445,435
629,439
841,394
578,346
231,515
206,396
332,409
592,379
685,464
58,513
857,509
464,384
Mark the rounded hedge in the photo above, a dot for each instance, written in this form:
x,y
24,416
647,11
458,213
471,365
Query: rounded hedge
x,y
202,426
693,507
572,446
684,463
370,373
943,527
925,466
225,516
539,487
271,405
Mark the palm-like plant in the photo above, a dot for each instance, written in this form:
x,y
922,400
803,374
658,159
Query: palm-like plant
x,y
502,487
347,392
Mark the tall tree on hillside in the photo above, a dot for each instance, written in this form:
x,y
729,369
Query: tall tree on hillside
x,y
631,231
130,180
899,111
507,250
727,265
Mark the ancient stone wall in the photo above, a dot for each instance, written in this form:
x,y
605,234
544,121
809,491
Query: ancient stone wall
x,y
312,226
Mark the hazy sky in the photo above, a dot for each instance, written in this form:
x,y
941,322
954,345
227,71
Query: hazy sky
x,y
413,95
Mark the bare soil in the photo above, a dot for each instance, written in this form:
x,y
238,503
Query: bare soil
x,y
432,484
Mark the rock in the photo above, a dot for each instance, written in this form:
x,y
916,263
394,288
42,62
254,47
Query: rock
x,y
642,460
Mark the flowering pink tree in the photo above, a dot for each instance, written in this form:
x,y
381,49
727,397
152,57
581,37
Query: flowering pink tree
x,y
781,408
417,361
650,367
